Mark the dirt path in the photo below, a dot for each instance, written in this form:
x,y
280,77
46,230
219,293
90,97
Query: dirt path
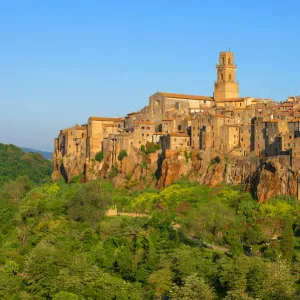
x,y
113,212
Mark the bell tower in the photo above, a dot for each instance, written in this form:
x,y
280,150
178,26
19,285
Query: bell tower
x,y
226,85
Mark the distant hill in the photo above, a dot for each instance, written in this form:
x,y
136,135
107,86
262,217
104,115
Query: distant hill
x,y
15,162
45,154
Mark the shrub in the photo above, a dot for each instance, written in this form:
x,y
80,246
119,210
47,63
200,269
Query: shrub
x,y
122,154
99,156
152,148
187,156
215,160
143,149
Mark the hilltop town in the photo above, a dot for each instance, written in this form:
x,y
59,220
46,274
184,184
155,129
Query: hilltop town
x,y
224,137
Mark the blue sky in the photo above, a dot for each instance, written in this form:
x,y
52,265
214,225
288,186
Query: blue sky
x,y
63,61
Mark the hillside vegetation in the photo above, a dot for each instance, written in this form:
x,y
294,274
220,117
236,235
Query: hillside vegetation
x,y
189,242
14,163
45,154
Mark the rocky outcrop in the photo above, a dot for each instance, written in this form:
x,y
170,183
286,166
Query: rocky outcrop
x,y
273,177
68,167
264,178
206,170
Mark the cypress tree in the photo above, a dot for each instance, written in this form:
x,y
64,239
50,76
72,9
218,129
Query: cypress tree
x,y
287,240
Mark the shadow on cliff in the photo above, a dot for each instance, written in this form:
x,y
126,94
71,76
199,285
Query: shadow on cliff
x,y
63,172
158,172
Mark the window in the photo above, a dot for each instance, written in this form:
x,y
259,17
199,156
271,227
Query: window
x,y
242,139
229,77
223,60
229,61
222,77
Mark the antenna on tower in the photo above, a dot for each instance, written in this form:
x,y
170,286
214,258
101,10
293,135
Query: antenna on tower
x,y
229,49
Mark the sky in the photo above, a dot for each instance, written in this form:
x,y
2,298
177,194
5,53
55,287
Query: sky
x,y
64,61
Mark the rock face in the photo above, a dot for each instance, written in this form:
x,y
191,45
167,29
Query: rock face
x,y
68,167
203,169
273,177
264,178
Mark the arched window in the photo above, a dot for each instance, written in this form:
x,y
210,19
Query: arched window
x,y
229,61
222,77
223,61
229,77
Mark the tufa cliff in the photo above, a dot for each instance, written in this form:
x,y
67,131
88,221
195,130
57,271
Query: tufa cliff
x,y
264,178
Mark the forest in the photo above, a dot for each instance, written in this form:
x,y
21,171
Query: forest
x,y
187,241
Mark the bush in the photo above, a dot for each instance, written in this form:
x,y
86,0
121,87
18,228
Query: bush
x,y
122,154
143,149
65,296
99,156
152,148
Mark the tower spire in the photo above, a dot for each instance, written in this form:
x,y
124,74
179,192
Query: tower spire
x,y
226,85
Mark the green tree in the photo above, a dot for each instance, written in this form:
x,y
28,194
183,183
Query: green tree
x,y
287,240
65,296
99,156
193,288
278,282
161,281
89,203
122,155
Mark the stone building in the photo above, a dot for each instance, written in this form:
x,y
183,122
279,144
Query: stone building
x,y
274,130
71,141
98,129
176,141
161,104
142,133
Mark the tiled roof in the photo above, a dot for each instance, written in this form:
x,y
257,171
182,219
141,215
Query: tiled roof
x,y
105,119
178,134
232,100
185,96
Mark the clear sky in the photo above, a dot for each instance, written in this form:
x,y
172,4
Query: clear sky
x,y
63,61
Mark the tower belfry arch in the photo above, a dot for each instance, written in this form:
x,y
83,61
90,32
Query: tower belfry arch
x,y
226,85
